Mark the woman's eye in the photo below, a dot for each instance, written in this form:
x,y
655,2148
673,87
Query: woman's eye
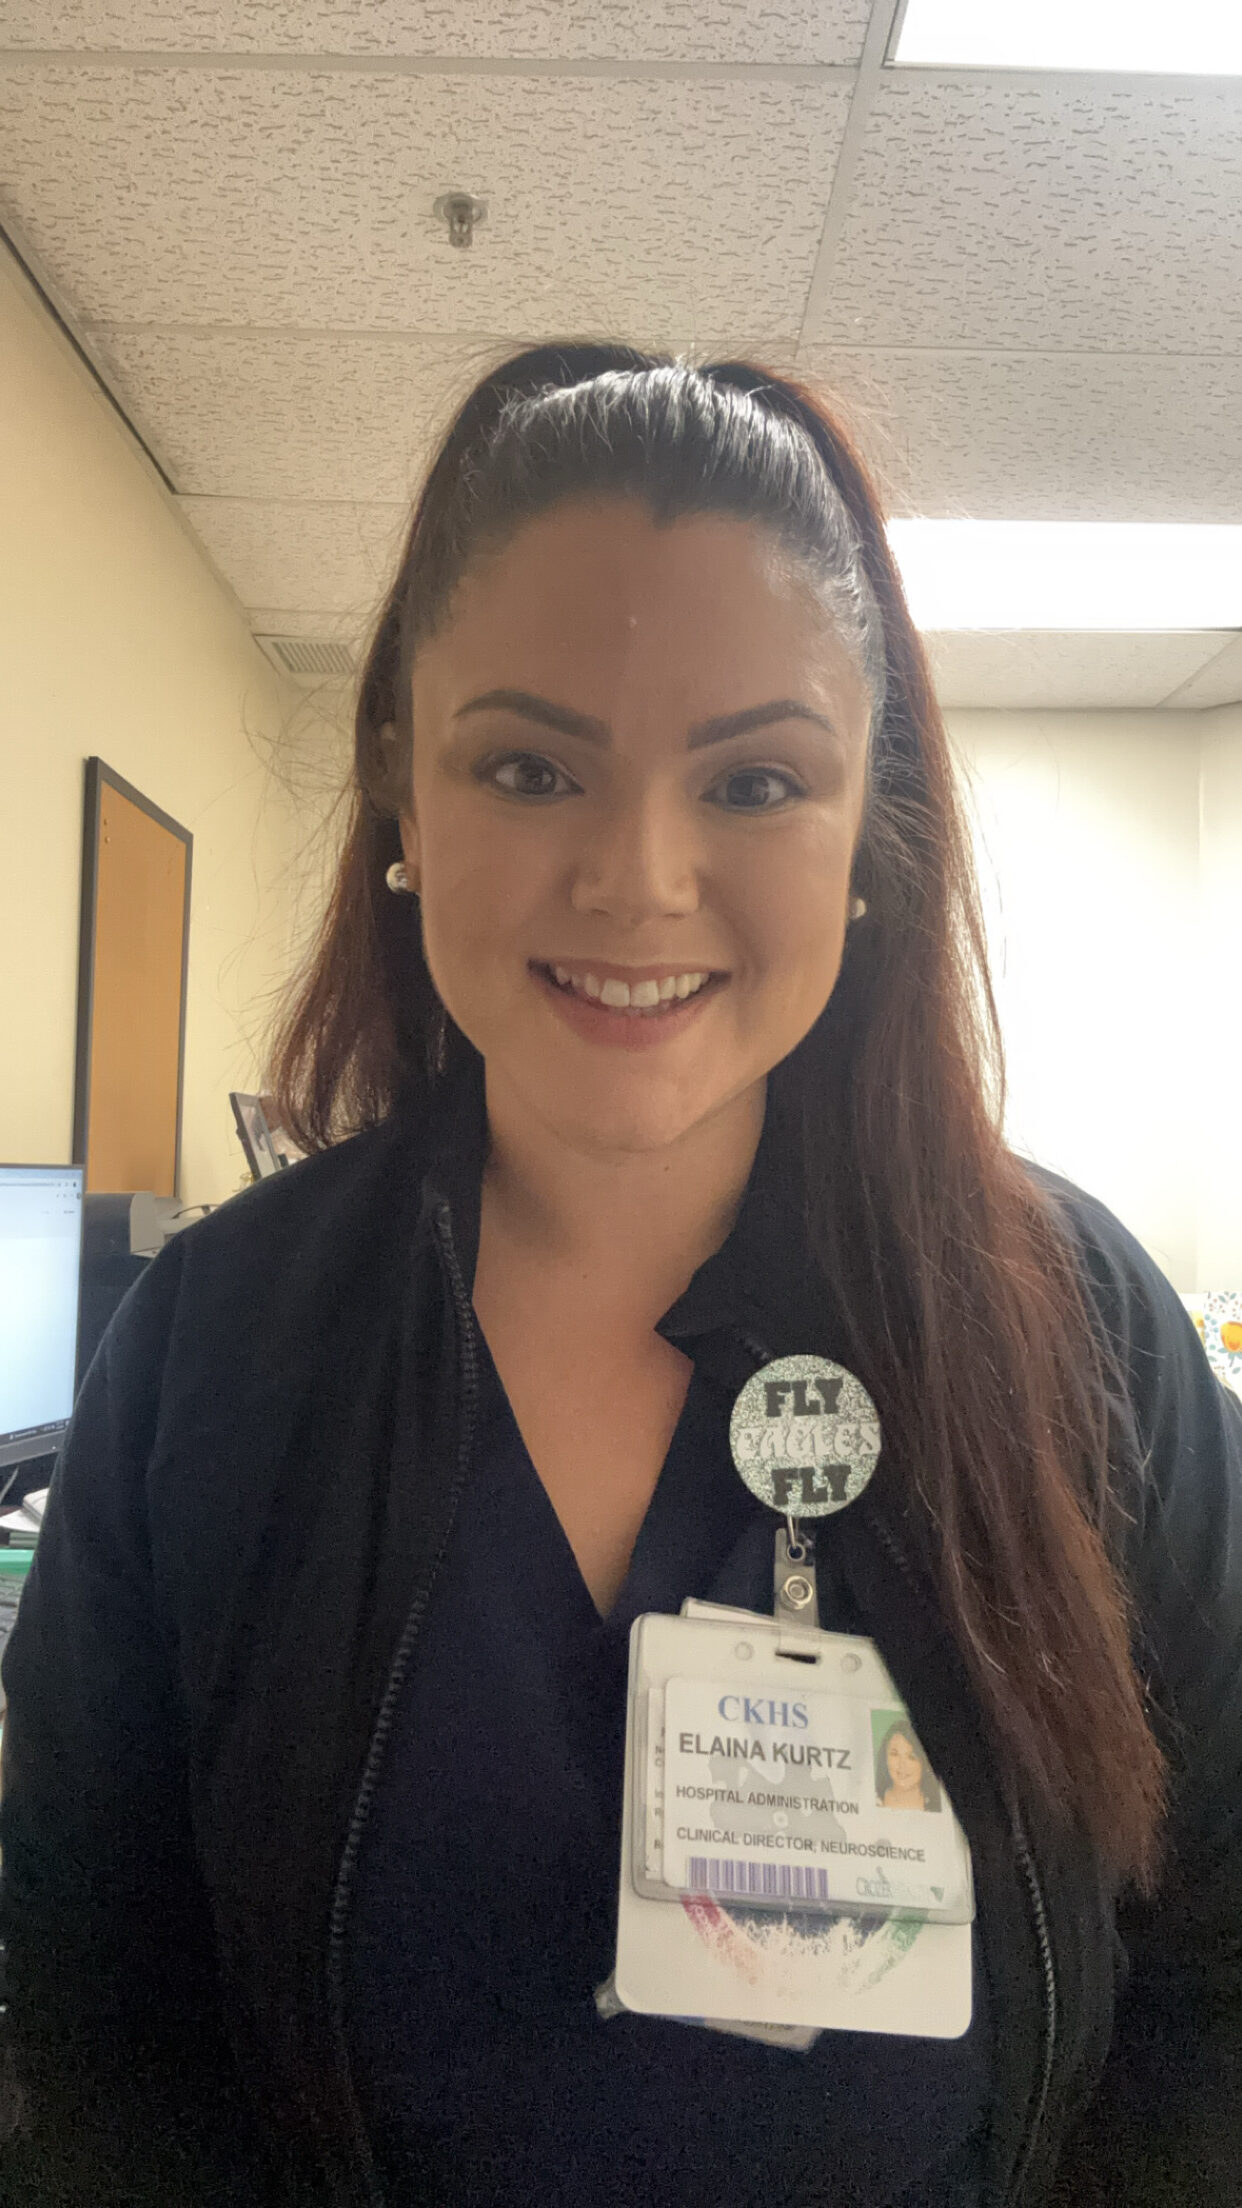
x,y
526,774
756,790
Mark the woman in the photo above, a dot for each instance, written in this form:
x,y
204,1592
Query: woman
x,y
902,1779
652,981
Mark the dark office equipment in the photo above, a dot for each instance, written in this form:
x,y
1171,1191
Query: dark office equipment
x,y
110,1265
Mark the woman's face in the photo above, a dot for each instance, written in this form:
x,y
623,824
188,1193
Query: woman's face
x,y
905,1769
639,756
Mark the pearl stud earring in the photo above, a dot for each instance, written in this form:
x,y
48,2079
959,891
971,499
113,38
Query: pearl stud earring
x,y
858,906
397,878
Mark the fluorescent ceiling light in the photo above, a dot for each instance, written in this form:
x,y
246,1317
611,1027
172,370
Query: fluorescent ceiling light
x,y
1070,575
1193,37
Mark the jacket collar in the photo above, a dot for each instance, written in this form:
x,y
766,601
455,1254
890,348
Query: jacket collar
x,y
757,1285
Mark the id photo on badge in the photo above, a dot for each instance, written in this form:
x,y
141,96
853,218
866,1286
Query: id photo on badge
x,y
903,1775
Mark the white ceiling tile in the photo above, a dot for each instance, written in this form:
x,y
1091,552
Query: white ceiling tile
x,y
269,415
1049,673
1219,682
1045,217
1101,437
337,558
709,30
196,196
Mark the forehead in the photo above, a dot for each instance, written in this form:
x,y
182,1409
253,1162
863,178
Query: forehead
x,y
601,597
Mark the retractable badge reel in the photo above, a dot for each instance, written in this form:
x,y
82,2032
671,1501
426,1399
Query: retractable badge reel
x,y
805,1437
790,1863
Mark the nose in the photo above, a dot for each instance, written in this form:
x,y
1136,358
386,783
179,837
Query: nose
x,y
642,860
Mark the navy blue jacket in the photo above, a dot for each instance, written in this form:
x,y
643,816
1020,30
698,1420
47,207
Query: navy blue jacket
x,y
242,1534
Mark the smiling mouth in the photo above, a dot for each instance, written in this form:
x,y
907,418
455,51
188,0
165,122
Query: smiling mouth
x,y
650,999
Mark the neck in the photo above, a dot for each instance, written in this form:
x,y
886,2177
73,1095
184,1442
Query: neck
x,y
630,1226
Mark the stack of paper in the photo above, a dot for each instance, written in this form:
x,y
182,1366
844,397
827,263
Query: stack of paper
x,y
23,1524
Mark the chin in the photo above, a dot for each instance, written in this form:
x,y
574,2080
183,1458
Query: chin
x,y
632,1133
612,1121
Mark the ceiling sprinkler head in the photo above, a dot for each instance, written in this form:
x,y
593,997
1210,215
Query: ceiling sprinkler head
x,y
461,214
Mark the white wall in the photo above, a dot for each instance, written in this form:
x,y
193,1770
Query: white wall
x,y
117,639
1098,889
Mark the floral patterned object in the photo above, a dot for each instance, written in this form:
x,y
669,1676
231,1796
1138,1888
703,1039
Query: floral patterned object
x,y
1217,1314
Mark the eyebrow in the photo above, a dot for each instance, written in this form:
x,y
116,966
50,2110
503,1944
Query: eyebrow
x,y
566,722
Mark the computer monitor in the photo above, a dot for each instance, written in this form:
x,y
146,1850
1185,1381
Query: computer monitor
x,y
40,1275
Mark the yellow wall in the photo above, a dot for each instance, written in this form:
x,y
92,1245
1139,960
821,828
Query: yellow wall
x,y
117,639
1218,958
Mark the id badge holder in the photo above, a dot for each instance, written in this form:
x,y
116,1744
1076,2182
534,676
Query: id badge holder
x,y
790,1862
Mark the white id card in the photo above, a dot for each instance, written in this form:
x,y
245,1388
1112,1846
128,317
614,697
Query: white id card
x,y
789,1859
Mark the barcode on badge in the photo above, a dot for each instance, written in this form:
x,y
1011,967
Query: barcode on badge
x,y
769,1881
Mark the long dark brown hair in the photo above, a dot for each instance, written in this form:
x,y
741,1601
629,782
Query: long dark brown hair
x,y
991,1379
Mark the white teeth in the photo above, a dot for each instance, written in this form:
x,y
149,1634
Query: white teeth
x,y
637,996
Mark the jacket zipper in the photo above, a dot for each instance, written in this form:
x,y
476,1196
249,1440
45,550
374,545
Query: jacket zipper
x,y
343,1894
1039,1917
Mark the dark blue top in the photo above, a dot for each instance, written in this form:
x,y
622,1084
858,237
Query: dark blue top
x,y
485,1909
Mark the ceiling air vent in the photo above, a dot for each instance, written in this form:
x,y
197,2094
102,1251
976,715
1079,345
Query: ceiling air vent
x,y
307,655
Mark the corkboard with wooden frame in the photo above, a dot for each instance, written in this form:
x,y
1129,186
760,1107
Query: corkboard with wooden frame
x,y
132,964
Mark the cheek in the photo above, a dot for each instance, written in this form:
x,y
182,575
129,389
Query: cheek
x,y
482,889
788,906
